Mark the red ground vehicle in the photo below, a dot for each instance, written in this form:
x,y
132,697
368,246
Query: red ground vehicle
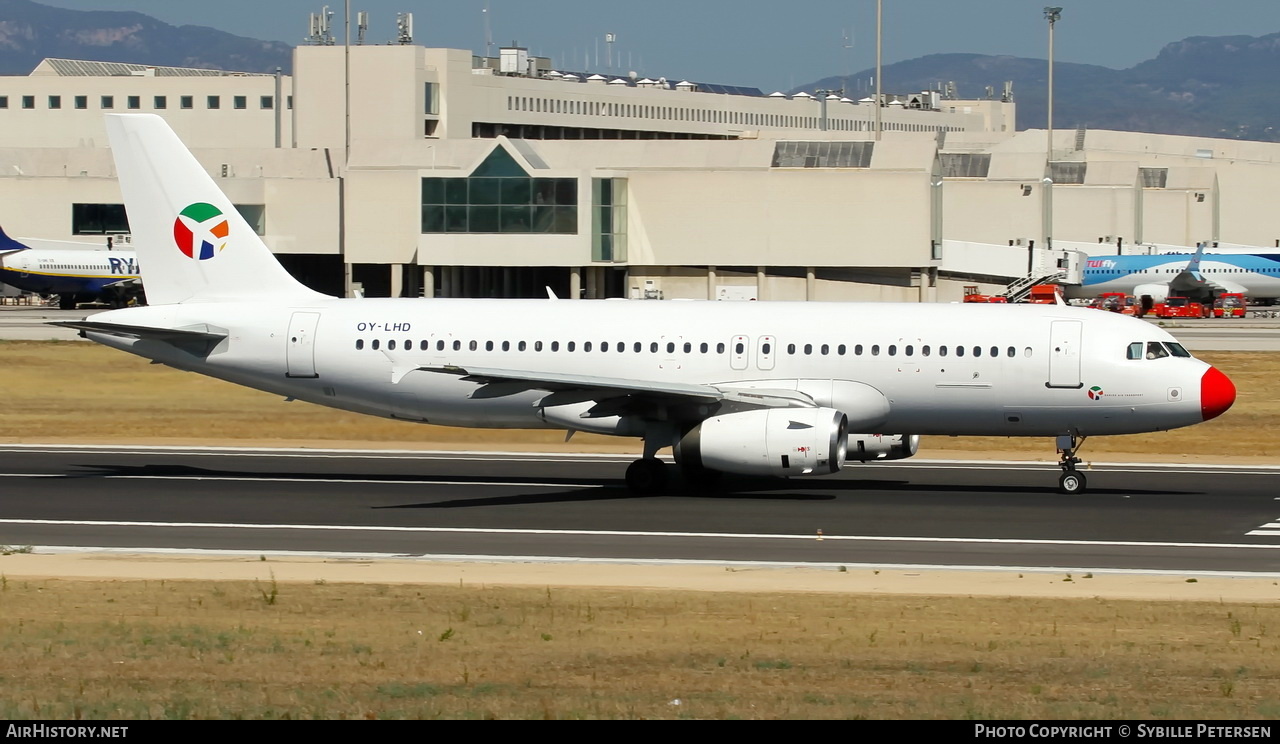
x,y
971,295
1230,305
1180,307
1116,302
1045,294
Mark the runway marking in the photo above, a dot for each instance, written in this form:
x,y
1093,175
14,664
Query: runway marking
x,y
453,558
508,456
627,533
1270,529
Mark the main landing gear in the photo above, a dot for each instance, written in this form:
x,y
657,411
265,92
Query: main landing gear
x,y
1071,481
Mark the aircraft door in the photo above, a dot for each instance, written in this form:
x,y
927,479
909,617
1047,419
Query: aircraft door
x,y
1064,354
738,352
766,347
300,354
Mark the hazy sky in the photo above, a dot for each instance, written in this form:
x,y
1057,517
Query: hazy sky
x,y
769,45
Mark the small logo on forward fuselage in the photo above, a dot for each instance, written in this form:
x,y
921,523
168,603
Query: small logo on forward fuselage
x,y
200,231
1095,393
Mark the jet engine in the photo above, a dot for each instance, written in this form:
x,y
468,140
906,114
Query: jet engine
x,y
872,447
774,441
1157,292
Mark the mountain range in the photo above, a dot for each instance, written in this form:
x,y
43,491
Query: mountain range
x,y
1221,86
30,32
1208,86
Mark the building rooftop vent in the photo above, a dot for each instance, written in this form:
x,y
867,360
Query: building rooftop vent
x,y
685,85
597,79
802,94
570,77
618,81
777,94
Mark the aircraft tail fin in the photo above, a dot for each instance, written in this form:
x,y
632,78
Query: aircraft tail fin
x,y
192,244
8,244
1193,266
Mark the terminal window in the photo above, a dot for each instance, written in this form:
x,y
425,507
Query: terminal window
x,y
161,102
28,102
98,219
108,102
240,102
266,102
186,102
213,102
55,102
134,102
4,102
499,197
82,102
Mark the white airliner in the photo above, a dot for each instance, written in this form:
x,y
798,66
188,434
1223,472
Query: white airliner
x,y
768,388
73,271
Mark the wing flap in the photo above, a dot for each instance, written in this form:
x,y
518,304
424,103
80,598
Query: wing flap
x,y
556,382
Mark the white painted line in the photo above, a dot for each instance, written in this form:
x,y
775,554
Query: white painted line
x,y
500,455
1265,533
451,558
626,533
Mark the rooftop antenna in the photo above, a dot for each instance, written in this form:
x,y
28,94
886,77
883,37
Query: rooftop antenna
x,y
404,28
320,28
488,35
608,42
847,45
362,25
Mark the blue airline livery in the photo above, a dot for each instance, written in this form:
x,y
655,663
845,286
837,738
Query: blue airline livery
x,y
74,275
1198,275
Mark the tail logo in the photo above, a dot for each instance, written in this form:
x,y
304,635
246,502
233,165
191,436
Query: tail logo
x,y
200,231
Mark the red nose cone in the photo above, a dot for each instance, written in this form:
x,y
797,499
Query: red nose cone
x,y
1217,393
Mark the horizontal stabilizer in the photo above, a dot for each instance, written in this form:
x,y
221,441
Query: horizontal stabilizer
x,y
170,335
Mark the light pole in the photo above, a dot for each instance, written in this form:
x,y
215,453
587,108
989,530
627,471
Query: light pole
x,y
879,98
822,99
1052,15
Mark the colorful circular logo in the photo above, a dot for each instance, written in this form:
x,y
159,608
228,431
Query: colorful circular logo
x,y
1095,393
200,231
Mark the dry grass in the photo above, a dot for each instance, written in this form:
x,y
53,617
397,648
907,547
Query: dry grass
x,y
102,395
132,650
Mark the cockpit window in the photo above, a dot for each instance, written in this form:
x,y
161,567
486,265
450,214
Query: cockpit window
x,y
1156,350
1177,349
1135,350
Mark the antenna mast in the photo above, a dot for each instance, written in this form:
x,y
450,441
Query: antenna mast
x,y
488,34
362,25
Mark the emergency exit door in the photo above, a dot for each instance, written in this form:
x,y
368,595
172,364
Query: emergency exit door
x,y
300,355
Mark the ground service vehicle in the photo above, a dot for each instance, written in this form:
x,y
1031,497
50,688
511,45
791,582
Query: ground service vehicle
x,y
1180,307
1230,305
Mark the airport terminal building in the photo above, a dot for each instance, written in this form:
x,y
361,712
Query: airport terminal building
x,y
398,170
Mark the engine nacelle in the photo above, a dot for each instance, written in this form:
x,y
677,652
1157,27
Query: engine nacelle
x,y
872,447
1157,292
774,441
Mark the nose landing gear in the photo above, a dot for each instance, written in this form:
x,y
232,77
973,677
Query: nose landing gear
x,y
1071,481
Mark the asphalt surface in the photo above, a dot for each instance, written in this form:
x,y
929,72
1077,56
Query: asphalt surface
x,y
490,505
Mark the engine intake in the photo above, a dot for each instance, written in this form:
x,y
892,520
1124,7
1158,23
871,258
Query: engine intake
x,y
775,441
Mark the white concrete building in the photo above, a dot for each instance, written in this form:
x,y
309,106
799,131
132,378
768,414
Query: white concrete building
x,y
432,171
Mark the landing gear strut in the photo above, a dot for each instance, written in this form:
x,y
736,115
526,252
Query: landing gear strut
x,y
648,475
1071,481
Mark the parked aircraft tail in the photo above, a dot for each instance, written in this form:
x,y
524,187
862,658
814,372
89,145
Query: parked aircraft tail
x,y
191,242
8,244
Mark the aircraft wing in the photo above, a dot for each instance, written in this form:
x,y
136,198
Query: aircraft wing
x,y
605,387
122,282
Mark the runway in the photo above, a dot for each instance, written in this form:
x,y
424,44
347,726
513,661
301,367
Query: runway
x,y
496,506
